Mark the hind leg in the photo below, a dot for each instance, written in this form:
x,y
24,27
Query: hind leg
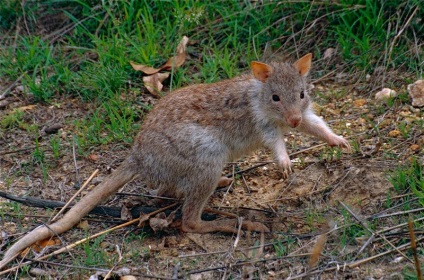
x,y
192,211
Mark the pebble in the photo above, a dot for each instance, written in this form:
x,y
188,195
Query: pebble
x,y
416,92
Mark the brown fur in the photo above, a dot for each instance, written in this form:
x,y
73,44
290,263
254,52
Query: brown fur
x,y
191,133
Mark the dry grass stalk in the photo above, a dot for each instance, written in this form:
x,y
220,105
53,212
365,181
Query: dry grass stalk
x,y
372,232
414,249
75,195
317,250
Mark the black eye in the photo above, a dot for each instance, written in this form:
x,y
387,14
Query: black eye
x,y
302,94
275,98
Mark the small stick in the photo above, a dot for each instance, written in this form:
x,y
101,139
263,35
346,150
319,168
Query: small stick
x,y
397,226
398,213
16,151
394,207
372,232
76,194
414,249
77,182
9,88
402,247
66,248
246,185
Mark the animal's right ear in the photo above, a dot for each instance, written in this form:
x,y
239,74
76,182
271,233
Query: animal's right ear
x,y
261,71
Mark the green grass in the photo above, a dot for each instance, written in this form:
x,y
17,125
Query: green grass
x,y
409,178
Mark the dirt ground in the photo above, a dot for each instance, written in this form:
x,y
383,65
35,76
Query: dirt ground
x,y
297,209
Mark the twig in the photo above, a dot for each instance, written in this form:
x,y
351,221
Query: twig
x,y
146,195
77,183
401,31
414,249
75,195
372,232
398,226
9,88
246,184
398,213
402,247
67,248
394,207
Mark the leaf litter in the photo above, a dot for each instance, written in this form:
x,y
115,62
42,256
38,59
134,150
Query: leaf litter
x,y
297,209
153,80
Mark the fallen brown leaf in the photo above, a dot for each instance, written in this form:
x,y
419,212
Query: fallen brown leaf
x,y
40,245
144,68
83,225
175,61
359,102
394,133
153,83
26,108
161,222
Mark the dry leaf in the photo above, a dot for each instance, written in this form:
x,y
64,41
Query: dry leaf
x,y
415,147
359,102
83,225
394,133
179,59
93,157
329,53
26,108
175,61
40,245
161,222
182,46
143,68
153,83
126,213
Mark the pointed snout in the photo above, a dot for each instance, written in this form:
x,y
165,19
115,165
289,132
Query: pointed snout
x,y
294,121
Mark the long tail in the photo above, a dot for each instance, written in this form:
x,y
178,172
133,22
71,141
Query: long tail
x,y
123,174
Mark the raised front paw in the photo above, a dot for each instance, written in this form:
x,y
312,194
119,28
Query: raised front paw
x,y
339,141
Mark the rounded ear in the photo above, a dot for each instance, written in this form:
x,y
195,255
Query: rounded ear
x,y
303,64
261,71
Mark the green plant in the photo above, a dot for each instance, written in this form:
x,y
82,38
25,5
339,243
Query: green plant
x,y
94,254
55,145
409,177
282,247
39,158
350,229
14,119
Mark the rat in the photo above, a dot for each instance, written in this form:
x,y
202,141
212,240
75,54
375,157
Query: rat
x,y
189,136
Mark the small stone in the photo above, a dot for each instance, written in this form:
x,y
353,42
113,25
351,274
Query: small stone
x,y
385,93
329,53
367,77
416,92
359,102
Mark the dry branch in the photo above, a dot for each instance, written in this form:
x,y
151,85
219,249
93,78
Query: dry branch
x,y
109,211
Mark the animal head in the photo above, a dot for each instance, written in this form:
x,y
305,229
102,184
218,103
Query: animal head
x,y
285,91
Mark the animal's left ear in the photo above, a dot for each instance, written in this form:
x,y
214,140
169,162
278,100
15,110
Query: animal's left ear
x,y
261,71
303,65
